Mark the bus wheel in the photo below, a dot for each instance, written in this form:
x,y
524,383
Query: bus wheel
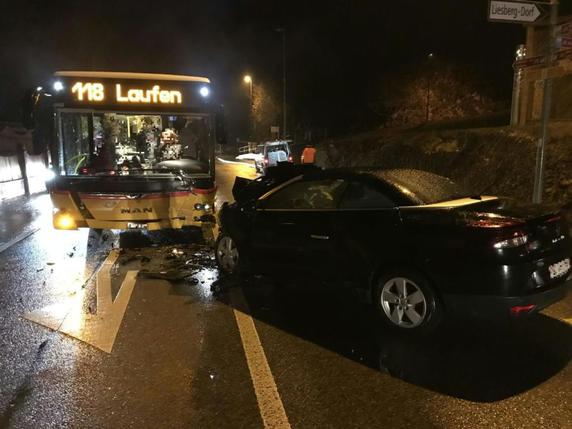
x,y
95,236
209,234
96,232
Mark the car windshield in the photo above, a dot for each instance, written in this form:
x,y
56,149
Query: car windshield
x,y
277,147
101,143
422,187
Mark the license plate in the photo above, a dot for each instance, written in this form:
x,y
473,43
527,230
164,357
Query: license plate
x,y
559,268
133,225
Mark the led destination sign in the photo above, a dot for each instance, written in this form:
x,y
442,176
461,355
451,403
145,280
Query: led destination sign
x,y
125,94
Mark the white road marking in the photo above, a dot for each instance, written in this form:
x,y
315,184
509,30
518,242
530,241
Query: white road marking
x,y
17,239
99,330
269,402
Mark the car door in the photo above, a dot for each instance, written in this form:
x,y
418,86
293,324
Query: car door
x,y
293,227
367,230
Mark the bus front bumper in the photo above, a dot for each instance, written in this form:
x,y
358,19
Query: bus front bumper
x,y
65,221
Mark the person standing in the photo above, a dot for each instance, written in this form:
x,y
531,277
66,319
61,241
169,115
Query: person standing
x,y
308,155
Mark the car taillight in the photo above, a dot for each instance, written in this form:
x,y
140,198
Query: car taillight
x,y
290,159
492,222
517,239
518,309
83,170
266,160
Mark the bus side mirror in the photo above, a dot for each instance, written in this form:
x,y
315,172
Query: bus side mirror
x,y
220,128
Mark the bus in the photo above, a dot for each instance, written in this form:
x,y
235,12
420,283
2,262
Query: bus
x,y
128,150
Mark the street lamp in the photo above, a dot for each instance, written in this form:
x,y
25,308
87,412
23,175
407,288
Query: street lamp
x,y
248,80
283,31
429,58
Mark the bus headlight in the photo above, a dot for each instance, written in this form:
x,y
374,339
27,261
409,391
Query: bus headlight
x,y
58,86
203,207
204,91
64,220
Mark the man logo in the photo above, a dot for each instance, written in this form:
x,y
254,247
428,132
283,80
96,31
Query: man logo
x,y
136,210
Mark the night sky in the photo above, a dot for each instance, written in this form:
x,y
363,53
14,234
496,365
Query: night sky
x,y
337,51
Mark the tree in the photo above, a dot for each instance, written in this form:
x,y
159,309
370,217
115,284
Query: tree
x,y
265,112
437,92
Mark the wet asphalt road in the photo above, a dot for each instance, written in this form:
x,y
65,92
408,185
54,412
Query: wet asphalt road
x,y
186,353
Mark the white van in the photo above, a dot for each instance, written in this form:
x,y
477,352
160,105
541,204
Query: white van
x,y
272,153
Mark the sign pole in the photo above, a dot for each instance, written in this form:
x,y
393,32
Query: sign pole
x,y
546,104
516,84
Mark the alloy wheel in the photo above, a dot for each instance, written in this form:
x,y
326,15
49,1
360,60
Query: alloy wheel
x,y
403,302
227,254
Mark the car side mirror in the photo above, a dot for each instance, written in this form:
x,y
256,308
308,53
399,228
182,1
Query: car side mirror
x,y
220,128
260,204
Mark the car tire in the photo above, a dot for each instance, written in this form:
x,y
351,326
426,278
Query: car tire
x,y
406,302
227,255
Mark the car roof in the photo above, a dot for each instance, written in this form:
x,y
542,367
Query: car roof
x,y
275,143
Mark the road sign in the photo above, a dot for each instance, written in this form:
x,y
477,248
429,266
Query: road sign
x,y
565,54
566,42
514,11
530,62
566,29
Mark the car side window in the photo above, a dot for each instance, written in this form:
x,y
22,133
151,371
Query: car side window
x,y
308,195
362,196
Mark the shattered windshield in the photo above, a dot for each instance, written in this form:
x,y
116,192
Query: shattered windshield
x,y
140,144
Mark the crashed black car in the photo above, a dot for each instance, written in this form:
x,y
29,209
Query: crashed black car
x,y
414,243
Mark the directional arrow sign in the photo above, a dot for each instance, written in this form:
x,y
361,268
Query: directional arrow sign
x,y
530,62
513,11
566,29
99,329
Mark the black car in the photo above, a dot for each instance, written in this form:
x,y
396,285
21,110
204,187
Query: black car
x,y
414,243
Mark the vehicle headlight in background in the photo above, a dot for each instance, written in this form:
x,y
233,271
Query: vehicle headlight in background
x,y
58,85
204,91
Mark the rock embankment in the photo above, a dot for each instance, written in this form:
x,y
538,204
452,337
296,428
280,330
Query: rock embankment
x,y
498,161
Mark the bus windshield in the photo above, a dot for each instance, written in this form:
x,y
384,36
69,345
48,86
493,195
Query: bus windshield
x,y
103,143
